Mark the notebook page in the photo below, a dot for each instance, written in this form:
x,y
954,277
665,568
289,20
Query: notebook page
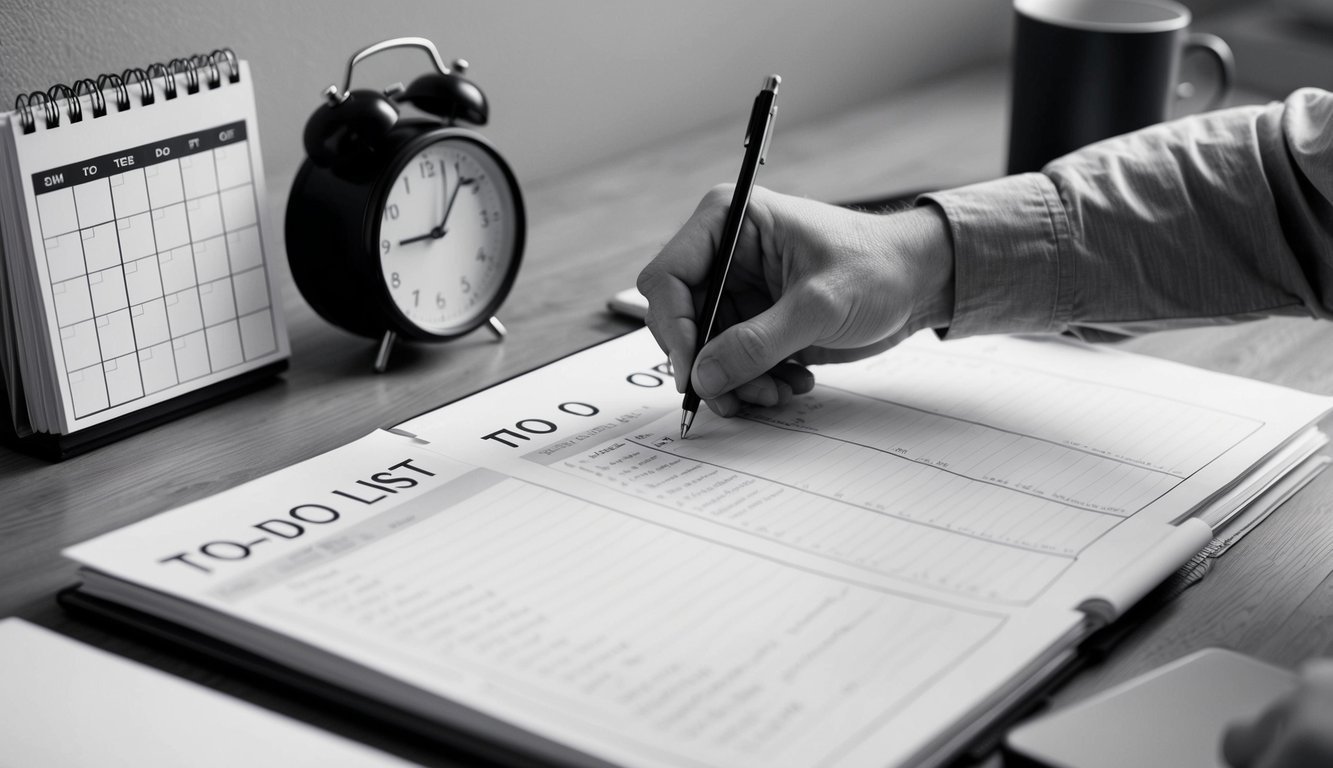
x,y
570,566
997,470
149,230
593,627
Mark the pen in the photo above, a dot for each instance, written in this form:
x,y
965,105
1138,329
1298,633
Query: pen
x,y
761,126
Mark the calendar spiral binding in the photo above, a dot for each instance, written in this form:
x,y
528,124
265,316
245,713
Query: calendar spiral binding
x,y
199,70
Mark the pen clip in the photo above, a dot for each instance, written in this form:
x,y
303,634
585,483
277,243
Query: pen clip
x,y
768,133
770,90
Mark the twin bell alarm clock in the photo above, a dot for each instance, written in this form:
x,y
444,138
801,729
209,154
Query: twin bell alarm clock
x,y
404,226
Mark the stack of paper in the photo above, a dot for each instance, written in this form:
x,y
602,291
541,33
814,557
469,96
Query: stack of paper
x,y
867,576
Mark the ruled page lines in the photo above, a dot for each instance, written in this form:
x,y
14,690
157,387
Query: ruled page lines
x,y
993,500
1148,430
597,617
997,565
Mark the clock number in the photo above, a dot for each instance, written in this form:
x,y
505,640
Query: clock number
x,y
427,169
416,298
395,281
439,300
385,245
466,286
485,218
407,187
391,210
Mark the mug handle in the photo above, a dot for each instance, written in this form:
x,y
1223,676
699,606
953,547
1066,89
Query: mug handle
x,y
1220,52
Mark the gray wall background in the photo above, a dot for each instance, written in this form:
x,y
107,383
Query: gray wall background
x,y
569,82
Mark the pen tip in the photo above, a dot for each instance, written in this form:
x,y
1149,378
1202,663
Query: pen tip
x,y
772,82
686,419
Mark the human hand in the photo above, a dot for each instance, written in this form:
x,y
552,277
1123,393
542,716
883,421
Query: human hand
x,y
809,283
1296,732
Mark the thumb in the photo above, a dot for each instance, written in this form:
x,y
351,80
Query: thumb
x,y
1244,744
749,349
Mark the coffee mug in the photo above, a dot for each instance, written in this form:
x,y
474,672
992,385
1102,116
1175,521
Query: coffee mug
x,y
1086,70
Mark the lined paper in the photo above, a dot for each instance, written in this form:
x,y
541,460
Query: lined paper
x,y
848,511
1167,432
848,579
925,477
590,616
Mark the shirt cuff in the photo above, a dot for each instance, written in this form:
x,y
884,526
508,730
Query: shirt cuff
x,y
1013,268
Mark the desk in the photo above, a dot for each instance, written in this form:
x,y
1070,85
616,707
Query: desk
x,y
589,234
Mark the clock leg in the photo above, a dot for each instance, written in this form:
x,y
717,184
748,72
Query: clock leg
x,y
386,346
497,328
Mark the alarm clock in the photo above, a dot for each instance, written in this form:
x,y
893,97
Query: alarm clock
x,y
404,226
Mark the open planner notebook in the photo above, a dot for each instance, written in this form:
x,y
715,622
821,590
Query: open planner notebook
x,y
865,577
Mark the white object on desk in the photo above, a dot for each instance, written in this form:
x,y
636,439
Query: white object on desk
x,y
1175,715
629,302
63,703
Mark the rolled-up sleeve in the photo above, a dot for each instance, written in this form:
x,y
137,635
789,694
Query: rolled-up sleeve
x,y
1219,217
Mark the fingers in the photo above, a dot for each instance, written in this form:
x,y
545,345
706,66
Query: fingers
x,y
749,349
775,388
676,337
1244,744
1293,732
778,386
797,377
1308,736
667,281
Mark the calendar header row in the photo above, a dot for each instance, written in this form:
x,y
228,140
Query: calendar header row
x,y
162,151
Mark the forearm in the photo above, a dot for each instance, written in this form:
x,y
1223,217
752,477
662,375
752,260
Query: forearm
x,y
1213,218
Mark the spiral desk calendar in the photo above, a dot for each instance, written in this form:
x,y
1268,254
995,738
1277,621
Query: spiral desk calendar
x,y
136,282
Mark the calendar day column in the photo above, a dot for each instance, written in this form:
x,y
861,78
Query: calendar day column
x,y
143,280
79,353
248,278
175,256
217,305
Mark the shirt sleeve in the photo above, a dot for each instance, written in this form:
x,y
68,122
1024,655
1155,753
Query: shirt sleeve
x,y
1214,218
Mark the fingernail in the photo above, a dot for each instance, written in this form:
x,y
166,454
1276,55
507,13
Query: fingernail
x,y
709,377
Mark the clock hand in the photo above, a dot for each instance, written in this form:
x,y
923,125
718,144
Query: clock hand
x,y
428,236
440,231
452,197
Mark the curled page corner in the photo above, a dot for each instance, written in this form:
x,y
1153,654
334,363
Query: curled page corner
x,y
404,433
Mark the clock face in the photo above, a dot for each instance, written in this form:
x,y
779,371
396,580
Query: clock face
x,y
448,234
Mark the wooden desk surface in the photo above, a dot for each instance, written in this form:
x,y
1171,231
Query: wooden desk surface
x,y
589,234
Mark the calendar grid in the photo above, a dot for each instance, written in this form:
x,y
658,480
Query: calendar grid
x,y
268,288
156,267
84,256
190,237
126,291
